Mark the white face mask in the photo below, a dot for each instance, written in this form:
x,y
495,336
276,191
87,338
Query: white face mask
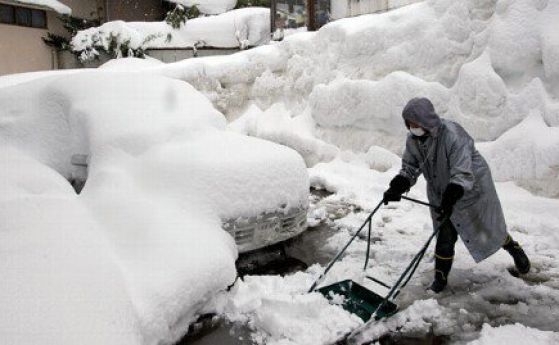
x,y
418,131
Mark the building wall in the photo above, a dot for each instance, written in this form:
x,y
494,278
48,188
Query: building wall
x,y
23,50
135,10
88,9
350,8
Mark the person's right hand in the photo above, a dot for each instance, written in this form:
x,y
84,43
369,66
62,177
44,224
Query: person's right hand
x,y
391,195
398,186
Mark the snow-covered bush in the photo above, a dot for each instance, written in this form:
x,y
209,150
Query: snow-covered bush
x,y
180,14
114,39
235,29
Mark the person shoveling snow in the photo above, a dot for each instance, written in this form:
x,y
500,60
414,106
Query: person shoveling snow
x,y
459,180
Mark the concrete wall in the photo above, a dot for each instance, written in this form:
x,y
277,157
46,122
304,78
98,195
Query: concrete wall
x,y
68,60
349,8
173,55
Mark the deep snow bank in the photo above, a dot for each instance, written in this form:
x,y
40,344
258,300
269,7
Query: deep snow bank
x,y
60,283
486,64
162,172
529,154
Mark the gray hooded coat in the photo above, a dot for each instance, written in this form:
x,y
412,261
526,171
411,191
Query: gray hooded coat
x,y
448,155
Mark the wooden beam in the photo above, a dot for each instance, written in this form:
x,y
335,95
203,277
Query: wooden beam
x,y
311,15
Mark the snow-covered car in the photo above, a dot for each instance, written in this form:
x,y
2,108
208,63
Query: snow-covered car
x,y
241,174
145,232
259,188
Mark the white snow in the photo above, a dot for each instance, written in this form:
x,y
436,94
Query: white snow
x,y
516,334
141,249
355,74
335,96
130,64
283,313
208,6
237,28
529,154
52,4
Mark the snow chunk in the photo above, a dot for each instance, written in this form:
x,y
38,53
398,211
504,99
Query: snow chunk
x,y
276,124
381,159
283,312
516,334
527,153
419,318
479,90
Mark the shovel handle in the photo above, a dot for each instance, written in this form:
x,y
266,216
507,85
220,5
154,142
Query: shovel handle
x,y
419,202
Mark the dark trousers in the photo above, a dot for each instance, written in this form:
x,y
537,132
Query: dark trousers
x,y
446,240
444,249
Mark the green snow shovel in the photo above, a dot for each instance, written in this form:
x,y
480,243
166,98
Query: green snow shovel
x,y
359,300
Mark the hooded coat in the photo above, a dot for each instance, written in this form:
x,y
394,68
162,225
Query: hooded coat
x,y
448,155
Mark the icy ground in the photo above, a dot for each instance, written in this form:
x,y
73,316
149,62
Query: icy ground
x,y
480,299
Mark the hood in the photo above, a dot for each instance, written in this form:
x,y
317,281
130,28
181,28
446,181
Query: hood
x,y
422,112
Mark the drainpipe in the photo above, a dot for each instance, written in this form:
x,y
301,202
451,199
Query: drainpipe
x,y
54,57
106,11
273,10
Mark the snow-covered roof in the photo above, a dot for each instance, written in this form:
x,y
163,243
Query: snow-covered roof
x,y
54,5
208,6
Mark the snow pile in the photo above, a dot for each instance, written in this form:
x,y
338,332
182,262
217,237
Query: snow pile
x,y
147,226
351,79
420,318
60,281
56,6
281,311
238,28
275,124
516,334
208,6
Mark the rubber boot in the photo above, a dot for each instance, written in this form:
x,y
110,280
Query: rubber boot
x,y
521,261
442,268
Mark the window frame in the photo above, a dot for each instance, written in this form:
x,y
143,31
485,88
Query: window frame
x,y
31,13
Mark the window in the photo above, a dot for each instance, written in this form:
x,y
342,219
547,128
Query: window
x,y
38,19
7,14
23,16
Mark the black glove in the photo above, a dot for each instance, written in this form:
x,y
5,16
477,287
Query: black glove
x,y
451,195
398,186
